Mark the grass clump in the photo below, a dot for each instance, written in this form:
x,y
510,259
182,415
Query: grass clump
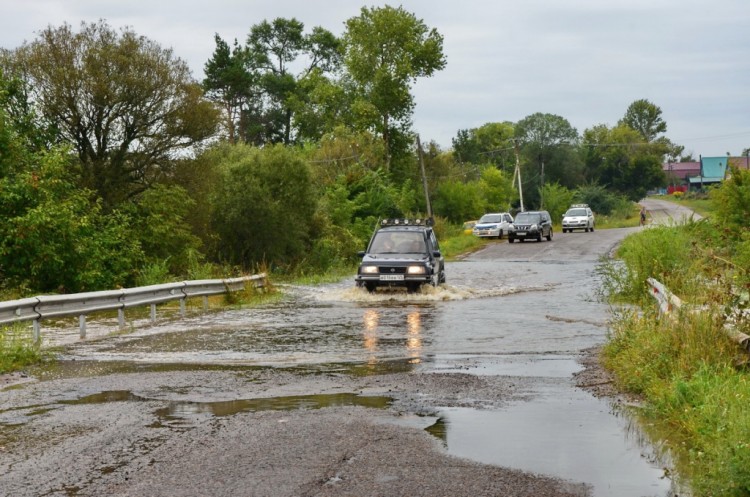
x,y
18,350
685,372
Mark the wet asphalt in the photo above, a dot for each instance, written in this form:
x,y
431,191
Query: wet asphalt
x,y
463,390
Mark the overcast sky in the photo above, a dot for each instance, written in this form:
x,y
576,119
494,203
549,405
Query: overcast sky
x,y
584,60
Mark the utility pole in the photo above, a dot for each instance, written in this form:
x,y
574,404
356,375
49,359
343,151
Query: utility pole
x,y
424,178
541,187
517,173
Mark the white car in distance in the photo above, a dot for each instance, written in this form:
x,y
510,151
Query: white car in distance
x,y
493,225
578,217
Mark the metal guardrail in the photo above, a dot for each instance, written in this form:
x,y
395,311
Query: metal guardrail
x,y
81,304
669,302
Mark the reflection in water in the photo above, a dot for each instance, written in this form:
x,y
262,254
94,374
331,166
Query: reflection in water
x,y
414,340
372,334
371,319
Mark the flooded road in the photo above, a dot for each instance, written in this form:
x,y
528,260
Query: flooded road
x,y
482,366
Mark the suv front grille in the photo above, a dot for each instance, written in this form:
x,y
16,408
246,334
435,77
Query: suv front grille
x,y
392,269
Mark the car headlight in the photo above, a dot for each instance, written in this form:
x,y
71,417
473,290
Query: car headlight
x,y
416,270
369,270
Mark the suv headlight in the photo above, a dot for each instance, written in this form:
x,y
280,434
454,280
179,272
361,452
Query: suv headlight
x,y
369,270
416,270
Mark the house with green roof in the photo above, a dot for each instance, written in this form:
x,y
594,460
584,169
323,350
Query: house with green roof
x,y
713,171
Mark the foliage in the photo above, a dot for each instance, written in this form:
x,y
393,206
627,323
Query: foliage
x,y
458,201
125,104
164,235
273,48
385,50
618,159
229,84
684,369
491,143
557,199
55,236
662,252
263,207
549,155
497,190
645,118
601,200
18,350
732,202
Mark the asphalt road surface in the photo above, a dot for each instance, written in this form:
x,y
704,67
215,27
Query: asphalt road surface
x,y
336,392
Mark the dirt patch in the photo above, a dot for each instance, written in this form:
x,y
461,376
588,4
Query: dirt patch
x,y
597,380
15,378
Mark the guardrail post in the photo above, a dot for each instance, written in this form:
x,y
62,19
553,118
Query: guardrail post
x,y
121,318
82,325
182,306
205,302
37,331
153,313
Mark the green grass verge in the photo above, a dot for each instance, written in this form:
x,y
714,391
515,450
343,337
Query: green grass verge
x,y
695,396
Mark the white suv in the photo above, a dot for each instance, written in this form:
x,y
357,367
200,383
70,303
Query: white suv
x,y
578,217
493,225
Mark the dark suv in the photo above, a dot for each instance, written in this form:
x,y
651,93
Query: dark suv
x,y
401,253
531,225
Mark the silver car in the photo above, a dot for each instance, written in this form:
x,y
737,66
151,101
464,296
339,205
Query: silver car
x,y
493,225
578,217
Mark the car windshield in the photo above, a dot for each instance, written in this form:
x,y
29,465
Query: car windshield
x,y
527,218
576,212
491,218
397,242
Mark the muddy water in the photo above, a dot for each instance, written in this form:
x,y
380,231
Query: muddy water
x,y
515,318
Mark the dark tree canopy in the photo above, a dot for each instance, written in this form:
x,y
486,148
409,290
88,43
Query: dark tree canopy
x,y
126,105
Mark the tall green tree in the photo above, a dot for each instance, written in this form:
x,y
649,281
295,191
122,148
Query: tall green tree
x,y
230,83
273,49
126,105
491,143
548,145
385,50
644,117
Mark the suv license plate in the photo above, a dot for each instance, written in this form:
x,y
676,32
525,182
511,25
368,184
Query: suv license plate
x,y
391,277
521,233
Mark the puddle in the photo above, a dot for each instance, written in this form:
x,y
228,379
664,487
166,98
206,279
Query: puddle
x,y
526,365
182,409
63,369
573,436
292,403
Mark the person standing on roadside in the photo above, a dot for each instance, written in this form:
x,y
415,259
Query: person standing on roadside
x,y
643,215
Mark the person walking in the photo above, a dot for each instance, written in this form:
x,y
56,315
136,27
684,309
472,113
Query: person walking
x,y
643,215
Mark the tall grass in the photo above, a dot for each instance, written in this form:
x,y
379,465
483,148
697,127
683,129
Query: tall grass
x,y
685,369
18,349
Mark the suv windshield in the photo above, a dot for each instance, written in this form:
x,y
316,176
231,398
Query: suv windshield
x,y
491,218
576,212
528,218
397,242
